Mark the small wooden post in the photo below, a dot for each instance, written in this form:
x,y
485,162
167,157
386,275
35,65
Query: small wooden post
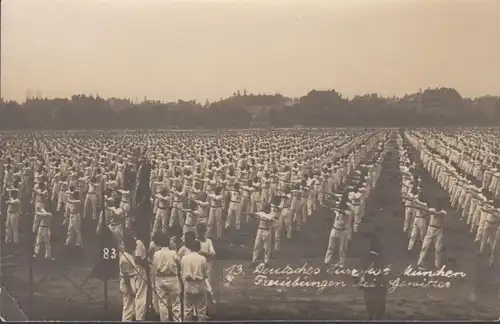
x,y
106,297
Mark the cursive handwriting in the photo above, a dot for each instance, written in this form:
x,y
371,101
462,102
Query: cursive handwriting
x,y
298,281
287,270
397,283
409,271
338,269
363,283
235,269
305,276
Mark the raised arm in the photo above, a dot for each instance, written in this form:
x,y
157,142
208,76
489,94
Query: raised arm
x,y
100,222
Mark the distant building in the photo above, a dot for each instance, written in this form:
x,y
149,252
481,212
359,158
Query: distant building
x,y
119,104
291,103
440,101
486,105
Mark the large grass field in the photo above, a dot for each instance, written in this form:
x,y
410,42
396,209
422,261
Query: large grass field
x,y
474,297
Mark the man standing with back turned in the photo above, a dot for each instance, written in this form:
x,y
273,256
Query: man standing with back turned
x,y
166,274
141,261
194,269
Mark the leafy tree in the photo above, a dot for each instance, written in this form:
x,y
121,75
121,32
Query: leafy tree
x,y
320,108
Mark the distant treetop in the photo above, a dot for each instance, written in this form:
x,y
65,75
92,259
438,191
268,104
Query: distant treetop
x,y
322,108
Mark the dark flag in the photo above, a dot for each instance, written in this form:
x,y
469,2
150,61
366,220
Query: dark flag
x,y
143,213
142,199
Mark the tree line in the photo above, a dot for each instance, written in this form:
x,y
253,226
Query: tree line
x,y
318,108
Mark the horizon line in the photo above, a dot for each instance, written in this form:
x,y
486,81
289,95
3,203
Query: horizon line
x,y
249,93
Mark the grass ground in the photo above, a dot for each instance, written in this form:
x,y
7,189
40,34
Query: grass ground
x,y
56,281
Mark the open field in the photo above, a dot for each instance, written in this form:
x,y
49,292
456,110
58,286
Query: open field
x,y
57,296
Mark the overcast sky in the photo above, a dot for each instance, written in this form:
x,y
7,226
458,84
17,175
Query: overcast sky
x,y
167,50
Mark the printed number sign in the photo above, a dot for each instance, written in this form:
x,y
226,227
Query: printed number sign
x,y
107,256
109,253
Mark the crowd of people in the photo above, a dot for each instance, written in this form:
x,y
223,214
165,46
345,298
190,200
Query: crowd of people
x,y
202,186
467,167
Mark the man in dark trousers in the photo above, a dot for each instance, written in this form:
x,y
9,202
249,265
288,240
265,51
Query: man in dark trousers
x,y
373,280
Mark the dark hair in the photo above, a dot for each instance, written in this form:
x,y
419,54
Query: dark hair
x,y
163,239
194,245
129,243
189,236
276,200
201,228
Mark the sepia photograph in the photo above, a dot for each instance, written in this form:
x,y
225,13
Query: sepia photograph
x,y
250,160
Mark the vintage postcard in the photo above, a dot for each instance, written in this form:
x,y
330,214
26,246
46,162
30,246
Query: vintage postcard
x,y
276,160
